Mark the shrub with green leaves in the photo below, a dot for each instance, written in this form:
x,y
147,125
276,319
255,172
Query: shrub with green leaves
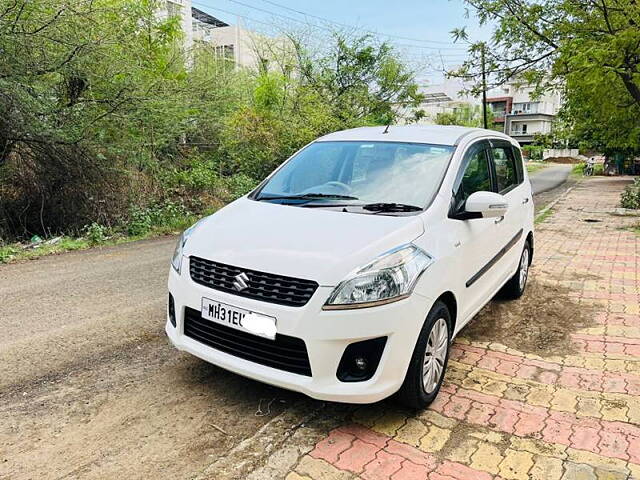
x,y
96,233
168,216
630,197
533,152
7,253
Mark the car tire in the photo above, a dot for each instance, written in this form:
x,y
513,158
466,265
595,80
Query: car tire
x,y
420,386
517,284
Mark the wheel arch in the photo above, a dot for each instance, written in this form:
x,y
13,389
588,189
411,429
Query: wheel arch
x,y
530,240
449,299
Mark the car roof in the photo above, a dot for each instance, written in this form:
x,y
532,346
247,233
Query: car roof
x,y
433,134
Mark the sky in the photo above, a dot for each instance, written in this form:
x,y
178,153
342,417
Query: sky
x,y
425,25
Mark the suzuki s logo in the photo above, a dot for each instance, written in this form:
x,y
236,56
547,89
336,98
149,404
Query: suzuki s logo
x,y
240,282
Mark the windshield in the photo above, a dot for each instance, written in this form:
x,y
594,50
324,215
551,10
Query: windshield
x,y
369,172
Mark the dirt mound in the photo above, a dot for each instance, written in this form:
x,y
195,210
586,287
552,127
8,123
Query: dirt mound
x,y
541,322
569,160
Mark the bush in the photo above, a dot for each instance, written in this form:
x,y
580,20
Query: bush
x,y
239,185
199,175
47,189
598,168
533,152
170,216
630,197
6,253
96,233
201,184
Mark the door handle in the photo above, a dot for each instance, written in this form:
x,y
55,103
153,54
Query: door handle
x,y
526,200
498,220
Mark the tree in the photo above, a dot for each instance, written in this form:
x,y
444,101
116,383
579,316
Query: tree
x,y
103,113
361,79
349,81
588,49
81,85
466,116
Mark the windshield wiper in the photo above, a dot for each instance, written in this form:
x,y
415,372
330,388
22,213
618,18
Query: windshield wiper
x,y
308,196
391,207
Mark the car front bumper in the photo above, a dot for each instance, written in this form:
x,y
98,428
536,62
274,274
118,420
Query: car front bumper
x,y
326,333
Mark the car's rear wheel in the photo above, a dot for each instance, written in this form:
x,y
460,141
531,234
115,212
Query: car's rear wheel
x,y
429,360
515,287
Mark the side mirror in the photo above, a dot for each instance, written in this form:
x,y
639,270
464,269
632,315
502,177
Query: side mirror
x,y
486,205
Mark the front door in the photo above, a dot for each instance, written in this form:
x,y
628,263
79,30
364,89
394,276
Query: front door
x,y
476,239
509,177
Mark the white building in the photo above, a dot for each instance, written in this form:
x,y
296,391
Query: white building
x,y
231,42
521,115
444,98
182,9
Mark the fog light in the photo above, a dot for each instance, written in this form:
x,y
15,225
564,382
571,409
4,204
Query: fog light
x,y
360,360
171,307
360,363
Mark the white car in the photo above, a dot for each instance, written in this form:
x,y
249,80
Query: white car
x,y
347,273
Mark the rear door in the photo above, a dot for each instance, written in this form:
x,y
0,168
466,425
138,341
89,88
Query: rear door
x,y
509,182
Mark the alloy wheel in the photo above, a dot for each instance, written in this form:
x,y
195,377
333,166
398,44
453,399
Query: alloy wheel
x,y
435,355
524,268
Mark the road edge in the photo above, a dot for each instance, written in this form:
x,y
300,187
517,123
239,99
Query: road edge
x,y
272,451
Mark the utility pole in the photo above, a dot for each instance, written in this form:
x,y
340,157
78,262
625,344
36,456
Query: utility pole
x,y
484,86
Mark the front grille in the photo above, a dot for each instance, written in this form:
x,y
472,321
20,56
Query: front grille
x,y
267,287
284,353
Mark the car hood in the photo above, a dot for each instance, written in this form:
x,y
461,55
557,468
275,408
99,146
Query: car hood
x,y
309,243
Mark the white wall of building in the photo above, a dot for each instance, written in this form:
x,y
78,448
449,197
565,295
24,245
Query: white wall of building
x,y
444,97
523,99
530,127
238,40
529,114
182,8
233,41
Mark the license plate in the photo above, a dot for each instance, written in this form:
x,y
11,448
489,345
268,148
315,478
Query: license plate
x,y
239,318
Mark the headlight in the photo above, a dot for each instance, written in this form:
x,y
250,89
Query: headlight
x,y
176,259
389,278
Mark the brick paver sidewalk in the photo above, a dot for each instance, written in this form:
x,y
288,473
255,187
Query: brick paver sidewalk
x,y
509,414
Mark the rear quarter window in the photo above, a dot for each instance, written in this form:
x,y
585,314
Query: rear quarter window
x,y
517,154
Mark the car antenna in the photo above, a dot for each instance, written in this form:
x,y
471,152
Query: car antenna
x,y
386,130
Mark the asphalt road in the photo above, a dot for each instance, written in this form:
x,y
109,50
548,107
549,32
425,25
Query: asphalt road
x,y
89,387
549,178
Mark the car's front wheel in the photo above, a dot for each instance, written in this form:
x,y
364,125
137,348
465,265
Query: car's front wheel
x,y
429,360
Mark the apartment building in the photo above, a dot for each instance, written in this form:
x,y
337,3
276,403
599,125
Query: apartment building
x,y
520,115
231,42
182,9
444,97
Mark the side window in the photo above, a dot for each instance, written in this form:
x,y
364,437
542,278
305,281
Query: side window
x,y
506,172
517,155
476,176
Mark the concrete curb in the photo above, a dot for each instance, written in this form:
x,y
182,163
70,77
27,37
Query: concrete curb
x,y
548,208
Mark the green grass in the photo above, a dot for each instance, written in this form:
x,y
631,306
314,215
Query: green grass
x,y
578,168
16,251
543,215
635,229
535,166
